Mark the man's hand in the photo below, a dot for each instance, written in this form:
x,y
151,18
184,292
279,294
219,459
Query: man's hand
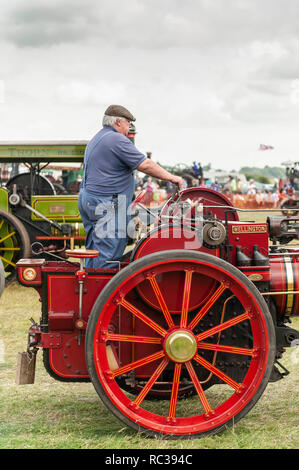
x,y
178,180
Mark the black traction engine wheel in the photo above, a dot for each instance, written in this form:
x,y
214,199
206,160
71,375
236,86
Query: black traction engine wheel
x,y
14,243
2,278
187,340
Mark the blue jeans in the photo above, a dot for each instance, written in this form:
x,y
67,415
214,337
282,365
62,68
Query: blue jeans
x,y
105,222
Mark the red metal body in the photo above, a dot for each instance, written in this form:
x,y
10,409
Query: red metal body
x,y
196,305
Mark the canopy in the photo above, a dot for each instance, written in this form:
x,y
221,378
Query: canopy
x,y
42,151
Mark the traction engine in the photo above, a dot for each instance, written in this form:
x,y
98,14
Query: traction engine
x,y
182,339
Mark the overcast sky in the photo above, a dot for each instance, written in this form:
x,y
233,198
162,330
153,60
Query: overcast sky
x,y
208,80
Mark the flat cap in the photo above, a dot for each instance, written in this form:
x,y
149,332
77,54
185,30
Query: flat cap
x,y
119,111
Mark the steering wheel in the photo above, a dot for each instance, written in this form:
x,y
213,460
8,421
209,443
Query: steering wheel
x,y
138,198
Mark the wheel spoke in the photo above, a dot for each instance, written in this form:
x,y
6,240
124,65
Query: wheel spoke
x,y
7,236
142,317
132,338
162,303
227,349
7,261
207,306
223,326
217,372
186,298
136,364
198,388
1,223
150,383
10,249
174,391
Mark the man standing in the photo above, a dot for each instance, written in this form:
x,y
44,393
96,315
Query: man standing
x,y
200,174
195,169
107,186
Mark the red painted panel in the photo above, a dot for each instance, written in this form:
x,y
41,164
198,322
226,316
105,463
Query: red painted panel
x,y
63,296
247,234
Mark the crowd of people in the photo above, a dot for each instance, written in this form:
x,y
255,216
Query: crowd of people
x,y
157,192
247,196
258,199
242,196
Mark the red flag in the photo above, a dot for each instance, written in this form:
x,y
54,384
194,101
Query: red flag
x,y
265,147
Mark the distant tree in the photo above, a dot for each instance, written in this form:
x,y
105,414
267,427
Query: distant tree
x,y
248,176
207,167
263,179
269,172
259,178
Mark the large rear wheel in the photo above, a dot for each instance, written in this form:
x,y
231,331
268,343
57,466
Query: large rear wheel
x,y
14,243
2,278
200,324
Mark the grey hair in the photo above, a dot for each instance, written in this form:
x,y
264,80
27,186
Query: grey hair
x,y
111,120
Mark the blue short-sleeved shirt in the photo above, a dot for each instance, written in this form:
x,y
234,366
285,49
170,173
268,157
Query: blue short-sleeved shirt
x,y
109,163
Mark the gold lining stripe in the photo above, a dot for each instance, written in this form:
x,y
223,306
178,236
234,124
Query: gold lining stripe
x,y
290,285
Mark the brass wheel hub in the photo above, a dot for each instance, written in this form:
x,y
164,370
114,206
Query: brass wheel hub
x,y
181,346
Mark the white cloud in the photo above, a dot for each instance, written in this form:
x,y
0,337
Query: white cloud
x,y
294,95
2,91
192,72
262,50
76,92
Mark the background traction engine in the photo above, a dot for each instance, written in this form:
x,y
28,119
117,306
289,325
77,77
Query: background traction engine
x,y
32,208
182,339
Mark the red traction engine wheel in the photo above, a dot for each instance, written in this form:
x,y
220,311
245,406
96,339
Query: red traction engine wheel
x,y
220,345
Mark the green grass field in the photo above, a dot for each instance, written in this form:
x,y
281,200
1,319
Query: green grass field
x,y
54,415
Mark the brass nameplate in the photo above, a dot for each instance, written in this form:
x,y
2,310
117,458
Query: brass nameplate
x,y
249,229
